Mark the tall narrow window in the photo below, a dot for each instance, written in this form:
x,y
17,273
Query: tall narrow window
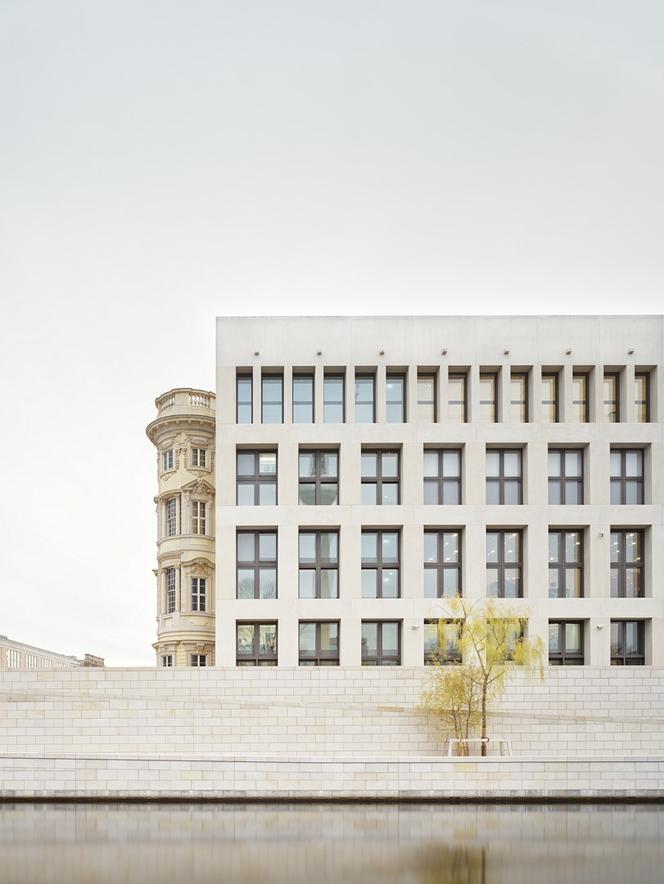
x,y
318,477
565,564
256,564
627,564
198,457
442,642
168,460
566,643
426,398
380,477
244,398
457,409
442,476
171,517
565,475
503,564
611,389
628,643
198,517
365,399
303,399
442,564
504,476
550,407
319,564
380,565
519,396
319,643
333,399
170,590
381,643
642,397
198,593
256,478
256,644
580,385
395,398
626,475
488,397
272,399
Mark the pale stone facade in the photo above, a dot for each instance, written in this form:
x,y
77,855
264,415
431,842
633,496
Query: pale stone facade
x,y
18,655
183,434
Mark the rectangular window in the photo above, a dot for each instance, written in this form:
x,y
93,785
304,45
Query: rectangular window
x,y
319,565
626,475
628,643
381,642
170,590
256,644
504,479
171,517
442,564
256,478
198,594
244,399
333,399
167,660
580,385
488,397
627,564
611,392
550,407
395,398
319,643
303,399
272,399
198,517
318,477
503,564
168,460
365,399
198,457
442,476
457,410
426,398
565,643
442,642
565,475
642,397
199,660
380,477
257,564
565,564
519,396
380,565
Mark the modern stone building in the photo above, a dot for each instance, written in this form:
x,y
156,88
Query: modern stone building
x,y
369,469
18,655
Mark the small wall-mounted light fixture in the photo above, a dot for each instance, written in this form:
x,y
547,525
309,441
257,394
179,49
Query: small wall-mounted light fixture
x,y
600,626
256,353
443,352
319,352
601,534
568,352
506,352
631,351
414,626
381,352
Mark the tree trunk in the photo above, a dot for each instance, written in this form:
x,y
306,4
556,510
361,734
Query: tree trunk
x,y
483,734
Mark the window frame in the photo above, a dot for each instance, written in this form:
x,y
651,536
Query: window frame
x,y
438,658
319,657
381,658
562,478
440,566
199,517
317,480
256,479
166,661
463,377
519,376
623,658
492,403
267,377
622,480
501,565
311,378
334,376
198,462
622,565
561,565
201,661
168,460
581,405
432,417
242,378
171,590
366,376
318,564
553,414
642,405
257,564
402,378
501,480
379,565
199,595
441,480
256,658
379,480
614,377
565,657
171,516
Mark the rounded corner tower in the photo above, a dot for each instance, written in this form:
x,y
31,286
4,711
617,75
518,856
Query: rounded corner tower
x,y
183,434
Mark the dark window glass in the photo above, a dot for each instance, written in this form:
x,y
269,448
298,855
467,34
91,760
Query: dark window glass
x,y
626,475
256,478
319,643
580,385
244,397
319,565
333,399
256,644
381,643
627,564
550,410
199,660
380,477
503,476
365,399
565,564
272,405
318,477
642,397
457,410
303,399
565,475
380,565
426,398
171,517
395,398
257,564
628,643
611,388
170,590
519,396
442,642
488,397
442,476
503,564
566,643
442,564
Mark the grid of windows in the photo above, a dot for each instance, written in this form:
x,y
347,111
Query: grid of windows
x,y
488,397
198,594
626,475
318,477
171,517
256,478
303,398
565,564
426,398
381,643
395,398
628,643
319,565
257,564
550,406
244,396
380,565
642,397
333,399
442,564
503,476
319,642
580,386
611,403
365,398
442,476
457,409
565,475
198,517
170,590
442,642
519,396
256,644
627,564
380,477
503,564
566,643
272,399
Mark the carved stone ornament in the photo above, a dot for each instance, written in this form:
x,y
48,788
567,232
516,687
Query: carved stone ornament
x,y
201,566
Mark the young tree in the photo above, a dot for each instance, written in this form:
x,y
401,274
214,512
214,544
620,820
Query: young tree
x,y
453,697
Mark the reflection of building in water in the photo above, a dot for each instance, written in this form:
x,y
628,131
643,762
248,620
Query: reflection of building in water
x,y
16,655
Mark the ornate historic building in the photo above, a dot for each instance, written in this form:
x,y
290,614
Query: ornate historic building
x,y
183,434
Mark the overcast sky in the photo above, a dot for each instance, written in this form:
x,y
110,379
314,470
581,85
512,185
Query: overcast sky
x,y
164,162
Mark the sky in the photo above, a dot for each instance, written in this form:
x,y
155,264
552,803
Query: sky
x,y
164,162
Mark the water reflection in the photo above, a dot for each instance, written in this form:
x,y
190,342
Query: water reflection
x,y
422,844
